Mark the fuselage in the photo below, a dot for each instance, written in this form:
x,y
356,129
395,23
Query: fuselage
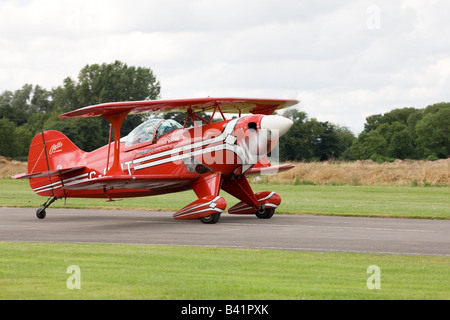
x,y
160,156
175,159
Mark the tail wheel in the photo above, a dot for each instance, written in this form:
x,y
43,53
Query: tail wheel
x,y
266,213
214,218
40,213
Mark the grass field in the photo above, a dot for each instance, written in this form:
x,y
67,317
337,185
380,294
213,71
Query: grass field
x,y
39,271
401,173
377,201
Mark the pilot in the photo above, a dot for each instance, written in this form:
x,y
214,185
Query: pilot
x,y
143,135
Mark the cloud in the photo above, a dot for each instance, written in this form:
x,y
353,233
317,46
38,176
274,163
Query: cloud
x,y
344,60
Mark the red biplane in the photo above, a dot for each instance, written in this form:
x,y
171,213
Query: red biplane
x,y
162,156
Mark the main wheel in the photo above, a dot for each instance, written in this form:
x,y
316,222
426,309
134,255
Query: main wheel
x,y
40,213
265,213
214,218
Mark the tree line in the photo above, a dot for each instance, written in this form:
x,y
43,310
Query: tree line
x,y
401,133
33,109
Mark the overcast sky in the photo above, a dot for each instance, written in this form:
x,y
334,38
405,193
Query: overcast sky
x,y
343,59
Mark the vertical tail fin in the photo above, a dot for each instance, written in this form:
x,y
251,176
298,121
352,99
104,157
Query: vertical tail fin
x,y
52,150
51,155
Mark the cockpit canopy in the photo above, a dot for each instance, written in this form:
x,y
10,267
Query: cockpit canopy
x,y
150,131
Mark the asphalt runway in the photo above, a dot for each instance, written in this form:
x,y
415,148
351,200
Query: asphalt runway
x,y
282,232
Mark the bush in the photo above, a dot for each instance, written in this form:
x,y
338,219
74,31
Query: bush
x,y
381,159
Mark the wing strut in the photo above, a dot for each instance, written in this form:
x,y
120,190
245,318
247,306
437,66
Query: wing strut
x,y
191,115
116,121
220,110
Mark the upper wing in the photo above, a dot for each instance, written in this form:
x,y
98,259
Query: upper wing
x,y
227,105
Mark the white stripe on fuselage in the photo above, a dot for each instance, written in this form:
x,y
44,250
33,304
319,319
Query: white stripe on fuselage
x,y
59,184
175,156
187,151
220,138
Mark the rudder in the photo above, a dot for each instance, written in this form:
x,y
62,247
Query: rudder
x,y
51,150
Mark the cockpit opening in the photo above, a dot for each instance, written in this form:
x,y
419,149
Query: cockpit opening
x,y
150,131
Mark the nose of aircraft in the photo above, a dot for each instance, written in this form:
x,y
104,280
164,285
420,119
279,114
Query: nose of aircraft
x,y
279,123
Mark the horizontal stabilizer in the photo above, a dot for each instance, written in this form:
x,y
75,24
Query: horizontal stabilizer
x,y
53,173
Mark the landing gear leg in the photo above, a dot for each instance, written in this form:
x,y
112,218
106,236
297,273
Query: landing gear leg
x,y
262,204
40,213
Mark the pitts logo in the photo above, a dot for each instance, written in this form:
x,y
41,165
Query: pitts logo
x,y
55,148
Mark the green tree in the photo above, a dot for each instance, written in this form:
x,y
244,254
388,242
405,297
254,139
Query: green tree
x,y
21,104
345,139
7,138
103,83
310,139
86,133
294,145
40,101
65,97
404,133
369,145
401,145
17,108
396,115
22,141
433,133
32,109
116,82
22,97
7,112
323,139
